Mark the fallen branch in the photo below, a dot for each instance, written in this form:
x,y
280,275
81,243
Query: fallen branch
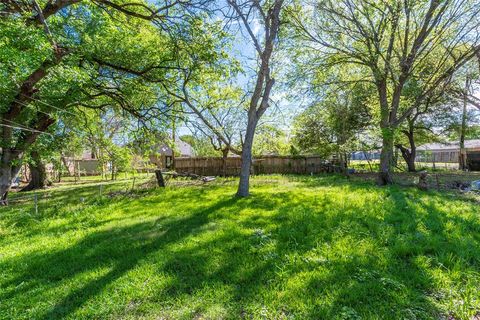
x,y
193,176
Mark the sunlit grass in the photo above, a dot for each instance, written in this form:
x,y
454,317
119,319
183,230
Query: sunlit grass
x,y
298,248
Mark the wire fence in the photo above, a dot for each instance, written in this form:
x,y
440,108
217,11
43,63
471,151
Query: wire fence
x,y
37,203
72,193
91,189
434,180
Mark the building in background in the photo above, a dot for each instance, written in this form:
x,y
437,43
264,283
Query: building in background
x,y
449,152
365,155
163,155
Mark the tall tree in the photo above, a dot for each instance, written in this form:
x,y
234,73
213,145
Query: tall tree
x,y
389,41
267,14
53,63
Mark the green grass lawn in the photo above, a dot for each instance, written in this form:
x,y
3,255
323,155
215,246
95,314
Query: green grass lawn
x,y
298,248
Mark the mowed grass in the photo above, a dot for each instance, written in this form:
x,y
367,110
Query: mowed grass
x,y
298,248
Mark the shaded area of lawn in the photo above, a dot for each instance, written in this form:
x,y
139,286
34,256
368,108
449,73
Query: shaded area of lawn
x,y
300,247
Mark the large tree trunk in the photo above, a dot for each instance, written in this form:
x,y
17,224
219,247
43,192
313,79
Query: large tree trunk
x,y
5,183
160,180
387,115
386,160
12,153
8,172
11,158
244,185
38,174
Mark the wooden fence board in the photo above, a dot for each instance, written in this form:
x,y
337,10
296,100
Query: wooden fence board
x,y
213,166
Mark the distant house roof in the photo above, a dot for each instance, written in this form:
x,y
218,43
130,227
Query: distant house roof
x,y
184,148
164,150
87,154
449,145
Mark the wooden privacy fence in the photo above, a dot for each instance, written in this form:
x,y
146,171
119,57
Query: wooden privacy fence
x,y
215,166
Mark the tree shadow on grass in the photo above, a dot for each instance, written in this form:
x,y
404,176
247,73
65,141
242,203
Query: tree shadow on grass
x,y
400,278
118,248
355,264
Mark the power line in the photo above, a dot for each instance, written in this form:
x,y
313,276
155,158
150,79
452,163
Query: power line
x,y
51,115
48,104
21,125
28,106
25,129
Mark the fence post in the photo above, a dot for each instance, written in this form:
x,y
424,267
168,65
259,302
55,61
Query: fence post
x,y
133,183
160,180
35,201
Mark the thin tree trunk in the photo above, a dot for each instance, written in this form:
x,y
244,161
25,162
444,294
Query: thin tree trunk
x,y
462,159
172,165
244,185
113,172
260,99
67,166
38,174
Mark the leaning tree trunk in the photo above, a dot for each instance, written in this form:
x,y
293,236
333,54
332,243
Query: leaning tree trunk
x,y
38,174
411,161
244,185
413,152
67,166
12,156
408,156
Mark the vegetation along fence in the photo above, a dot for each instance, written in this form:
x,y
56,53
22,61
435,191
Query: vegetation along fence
x,y
437,181
230,166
